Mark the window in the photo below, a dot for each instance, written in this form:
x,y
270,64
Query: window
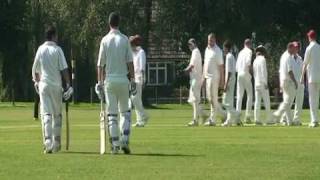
x,y
158,73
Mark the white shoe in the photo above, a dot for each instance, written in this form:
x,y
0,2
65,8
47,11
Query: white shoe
x,y
138,125
227,123
47,147
193,123
313,125
210,123
115,150
56,148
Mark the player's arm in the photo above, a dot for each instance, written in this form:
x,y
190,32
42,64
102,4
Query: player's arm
x,y
36,68
100,64
143,61
305,65
221,69
291,75
129,59
265,74
228,68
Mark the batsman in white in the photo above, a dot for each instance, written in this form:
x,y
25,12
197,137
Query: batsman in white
x,y
195,72
288,85
139,63
297,71
260,74
229,85
213,73
311,65
114,60
49,64
244,83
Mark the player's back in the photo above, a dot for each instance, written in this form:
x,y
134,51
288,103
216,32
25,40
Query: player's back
x,y
243,61
117,51
314,66
51,62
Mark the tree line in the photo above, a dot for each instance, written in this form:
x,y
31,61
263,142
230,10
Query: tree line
x,y
82,23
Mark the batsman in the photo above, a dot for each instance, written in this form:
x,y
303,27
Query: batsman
x,y
47,71
114,60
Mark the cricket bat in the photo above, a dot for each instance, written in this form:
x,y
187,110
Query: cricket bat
x,y
102,129
67,126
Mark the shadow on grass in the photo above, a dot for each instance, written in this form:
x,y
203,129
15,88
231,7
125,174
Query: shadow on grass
x,y
136,154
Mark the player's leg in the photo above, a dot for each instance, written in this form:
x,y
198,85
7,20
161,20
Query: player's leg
x,y
56,99
257,106
142,117
314,104
194,99
228,101
112,109
125,117
285,106
298,105
209,92
217,108
240,93
267,106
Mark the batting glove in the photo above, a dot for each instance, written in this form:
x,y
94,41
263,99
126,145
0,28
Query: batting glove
x,y
99,91
133,88
68,93
36,87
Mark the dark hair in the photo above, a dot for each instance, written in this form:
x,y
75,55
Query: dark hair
x,y
192,41
227,44
50,32
114,19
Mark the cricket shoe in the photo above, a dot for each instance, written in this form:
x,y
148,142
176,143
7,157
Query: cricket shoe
x,y
56,148
138,125
125,148
204,117
258,123
314,125
227,123
193,123
115,150
210,122
47,147
248,120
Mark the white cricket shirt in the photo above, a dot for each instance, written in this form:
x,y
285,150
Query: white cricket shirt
x,y
49,62
260,72
312,60
139,63
115,52
286,65
213,58
230,65
244,61
196,62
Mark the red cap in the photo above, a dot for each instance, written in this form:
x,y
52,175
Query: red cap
x,y
296,44
312,34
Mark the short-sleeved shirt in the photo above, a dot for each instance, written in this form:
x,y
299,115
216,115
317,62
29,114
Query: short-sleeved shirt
x,y
230,65
244,61
260,72
48,63
213,58
286,65
139,63
196,62
312,61
114,54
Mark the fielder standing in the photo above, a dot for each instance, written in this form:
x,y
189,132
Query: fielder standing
x,y
230,80
244,83
288,85
195,71
139,62
114,60
260,75
311,65
213,73
49,64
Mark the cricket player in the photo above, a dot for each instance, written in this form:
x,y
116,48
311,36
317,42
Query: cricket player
x,y
114,61
48,67
311,65
288,85
230,80
260,75
297,71
213,73
139,63
244,83
195,71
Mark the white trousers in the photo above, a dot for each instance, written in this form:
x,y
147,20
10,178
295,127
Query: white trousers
x,y
298,105
195,98
244,85
261,93
50,109
314,89
289,93
228,96
212,88
138,105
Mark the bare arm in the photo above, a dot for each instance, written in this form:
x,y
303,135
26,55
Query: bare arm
x,y
222,80
304,68
66,77
227,82
131,70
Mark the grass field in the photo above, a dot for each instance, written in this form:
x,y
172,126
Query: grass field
x,y
165,149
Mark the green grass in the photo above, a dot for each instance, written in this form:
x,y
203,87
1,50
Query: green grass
x,y
166,149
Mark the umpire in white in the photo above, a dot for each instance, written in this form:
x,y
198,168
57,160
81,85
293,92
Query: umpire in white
x,y
49,64
114,61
